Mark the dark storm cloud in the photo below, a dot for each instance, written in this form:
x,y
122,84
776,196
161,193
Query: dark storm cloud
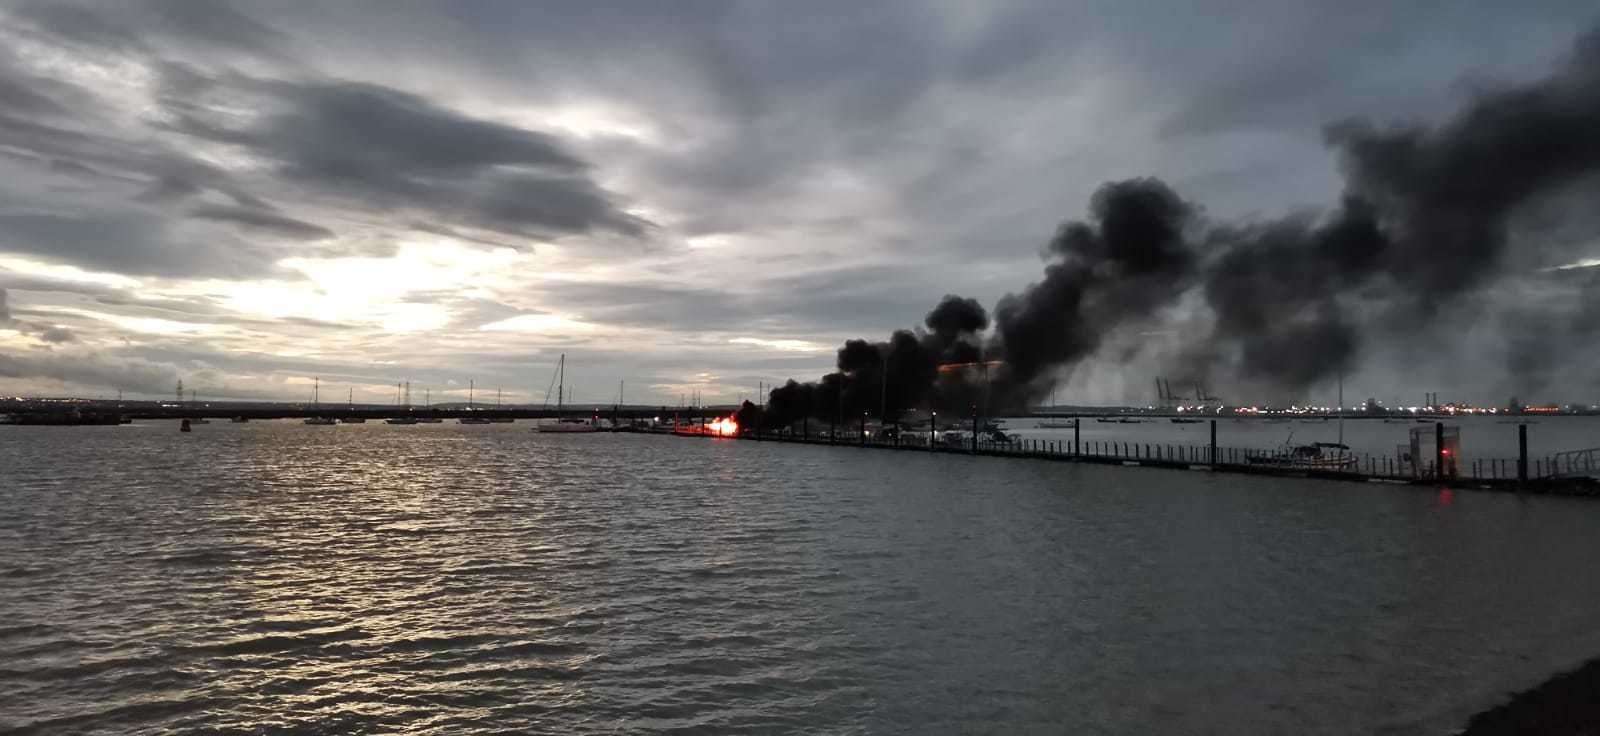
x,y
264,220
379,147
128,242
53,334
945,139
793,306
133,25
91,369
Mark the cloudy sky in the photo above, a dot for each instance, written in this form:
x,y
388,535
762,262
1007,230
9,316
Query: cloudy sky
x,y
688,196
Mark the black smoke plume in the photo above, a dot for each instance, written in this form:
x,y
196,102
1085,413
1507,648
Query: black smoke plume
x,y
1426,218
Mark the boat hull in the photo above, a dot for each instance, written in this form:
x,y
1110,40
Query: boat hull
x,y
566,428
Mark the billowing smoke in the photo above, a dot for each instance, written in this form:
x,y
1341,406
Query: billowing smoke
x,y
1426,218
1129,260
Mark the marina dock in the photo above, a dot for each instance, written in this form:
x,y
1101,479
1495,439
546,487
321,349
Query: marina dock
x,y
1574,473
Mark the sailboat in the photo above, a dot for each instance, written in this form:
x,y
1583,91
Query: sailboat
x,y
562,423
497,419
472,387
1055,422
316,403
407,418
351,402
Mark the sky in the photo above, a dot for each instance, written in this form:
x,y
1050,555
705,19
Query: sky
x,y
688,197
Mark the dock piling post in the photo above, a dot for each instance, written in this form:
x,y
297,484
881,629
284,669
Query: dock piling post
x,y
974,429
1213,442
1522,453
1438,449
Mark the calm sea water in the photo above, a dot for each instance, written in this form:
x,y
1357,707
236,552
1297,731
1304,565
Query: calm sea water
x,y
274,577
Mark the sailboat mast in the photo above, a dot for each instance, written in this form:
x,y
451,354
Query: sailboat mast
x,y
472,387
316,390
561,382
1341,407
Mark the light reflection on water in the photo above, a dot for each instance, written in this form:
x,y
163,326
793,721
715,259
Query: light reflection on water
x,y
446,579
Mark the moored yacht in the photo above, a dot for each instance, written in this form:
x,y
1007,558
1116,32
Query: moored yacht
x,y
561,424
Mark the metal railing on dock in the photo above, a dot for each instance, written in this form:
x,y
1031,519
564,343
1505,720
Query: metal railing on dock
x,y
1569,473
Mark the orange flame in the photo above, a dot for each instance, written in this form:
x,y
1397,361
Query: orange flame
x,y
947,367
724,427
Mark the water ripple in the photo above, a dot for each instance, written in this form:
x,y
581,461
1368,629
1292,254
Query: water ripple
x,y
264,578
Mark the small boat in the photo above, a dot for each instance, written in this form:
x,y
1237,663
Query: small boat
x,y
316,401
427,420
995,436
1057,424
499,420
472,387
351,404
1106,420
955,438
567,425
240,420
1126,420
199,420
1184,420
564,425
400,420
1315,456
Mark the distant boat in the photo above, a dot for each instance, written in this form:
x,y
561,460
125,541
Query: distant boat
x,y
240,420
567,425
1315,456
472,387
499,420
1056,423
351,403
564,425
401,420
316,402
1183,420
427,420
199,420
1126,420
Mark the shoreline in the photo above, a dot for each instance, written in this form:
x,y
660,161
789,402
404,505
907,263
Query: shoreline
x,y
1566,703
